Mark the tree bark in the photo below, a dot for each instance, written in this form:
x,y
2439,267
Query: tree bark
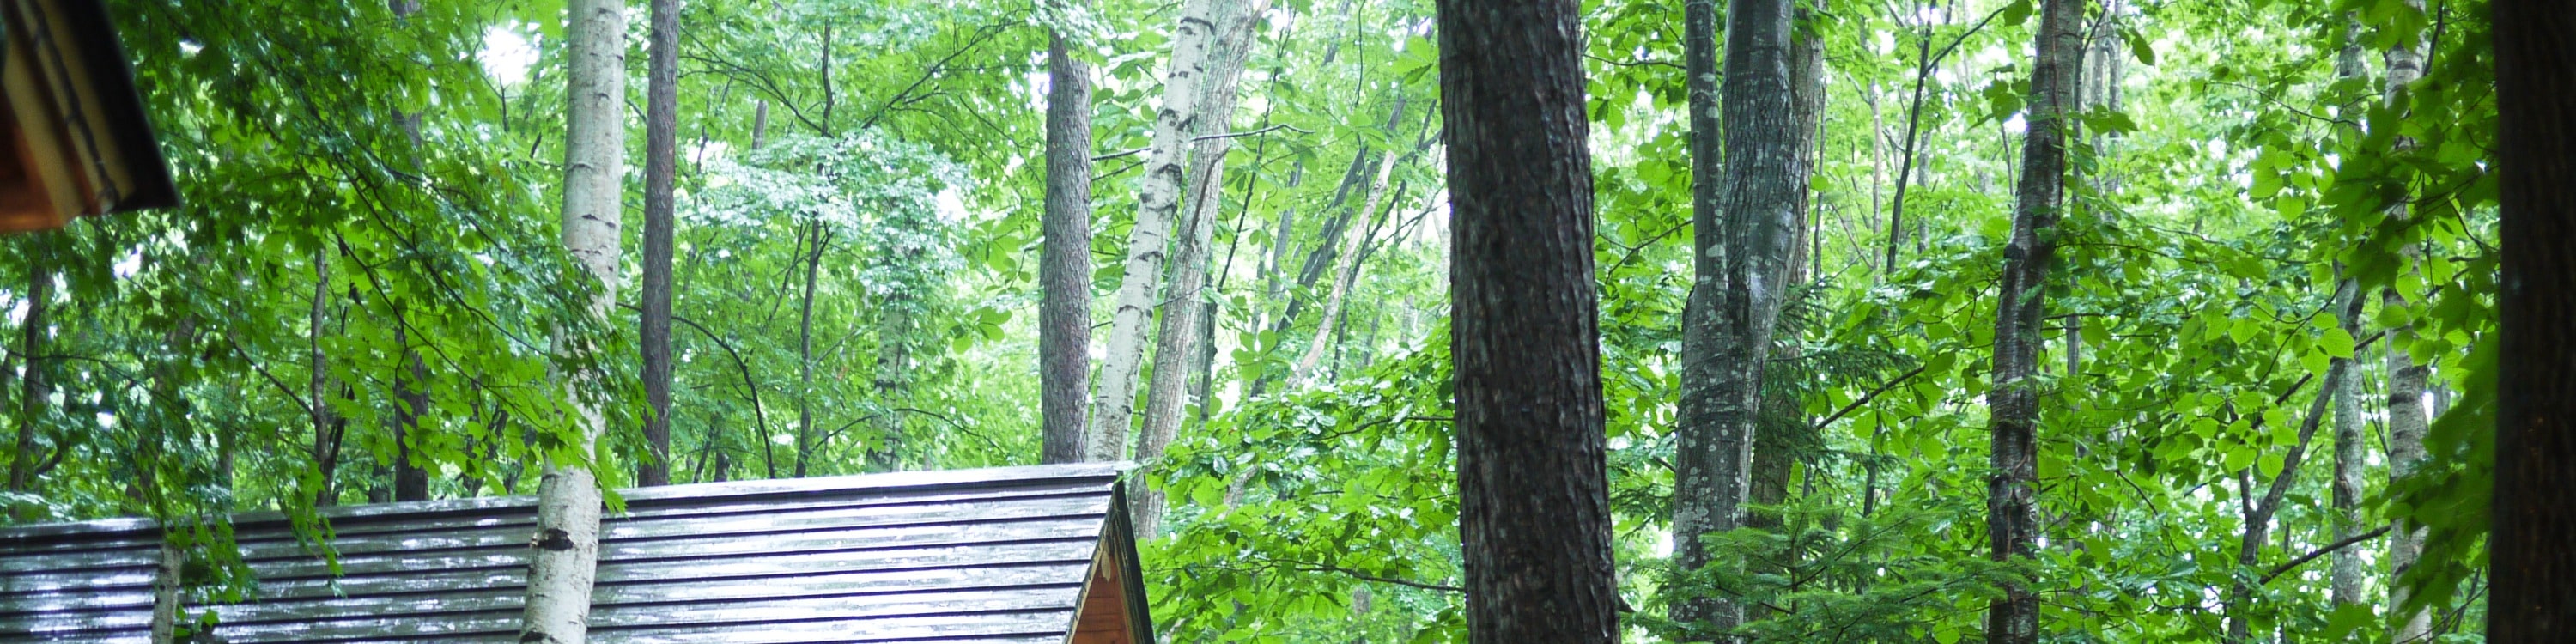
x,y
2345,569
1745,222
1184,308
661,171
2012,522
1534,513
2407,421
411,402
1064,262
1157,201
897,321
1328,244
565,547
328,426
1350,275
2533,543
1703,489
808,438
2258,523
1787,435
33,389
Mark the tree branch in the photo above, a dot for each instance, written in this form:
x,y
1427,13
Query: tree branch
x,y
2285,568
1872,395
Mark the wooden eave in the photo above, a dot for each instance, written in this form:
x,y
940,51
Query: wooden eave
x,y
78,140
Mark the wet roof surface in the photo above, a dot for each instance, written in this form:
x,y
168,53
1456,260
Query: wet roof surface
x,y
989,556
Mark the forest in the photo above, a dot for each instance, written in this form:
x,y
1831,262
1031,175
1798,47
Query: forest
x,y
2006,321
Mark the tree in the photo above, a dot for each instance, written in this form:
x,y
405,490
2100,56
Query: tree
x,y
2012,518
1533,513
2407,419
565,547
2534,559
1176,341
661,170
1745,229
1158,198
1064,263
26,462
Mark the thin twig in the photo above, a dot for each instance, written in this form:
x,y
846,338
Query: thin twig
x,y
2285,568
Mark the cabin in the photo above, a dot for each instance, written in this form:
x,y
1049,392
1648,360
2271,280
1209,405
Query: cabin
x,y
79,144
1014,555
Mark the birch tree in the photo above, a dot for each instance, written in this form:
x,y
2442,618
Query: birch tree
x,y
565,548
2407,420
1158,199
1176,344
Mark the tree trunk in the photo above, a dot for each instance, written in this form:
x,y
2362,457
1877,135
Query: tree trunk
x,y
328,426
411,401
2012,522
2258,523
566,544
2533,544
1157,201
661,170
1745,223
2407,421
2345,568
1787,435
807,436
32,389
1328,244
1703,488
896,324
1064,262
1322,343
1176,343
1534,511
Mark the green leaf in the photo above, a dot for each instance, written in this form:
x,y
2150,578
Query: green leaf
x,y
2014,15
2138,45
2337,343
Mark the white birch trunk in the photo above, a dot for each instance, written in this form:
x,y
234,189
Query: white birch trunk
x,y
565,548
1188,314
1114,409
2407,421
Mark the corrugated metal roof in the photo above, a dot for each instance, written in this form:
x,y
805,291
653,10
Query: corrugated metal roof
x,y
990,556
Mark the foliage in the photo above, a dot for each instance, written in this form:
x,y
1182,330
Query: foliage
x,y
396,173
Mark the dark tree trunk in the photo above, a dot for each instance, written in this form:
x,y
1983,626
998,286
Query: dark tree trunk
x,y
1745,223
411,401
807,439
32,389
1064,262
661,170
1534,511
2012,518
2534,541
2258,521
328,426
